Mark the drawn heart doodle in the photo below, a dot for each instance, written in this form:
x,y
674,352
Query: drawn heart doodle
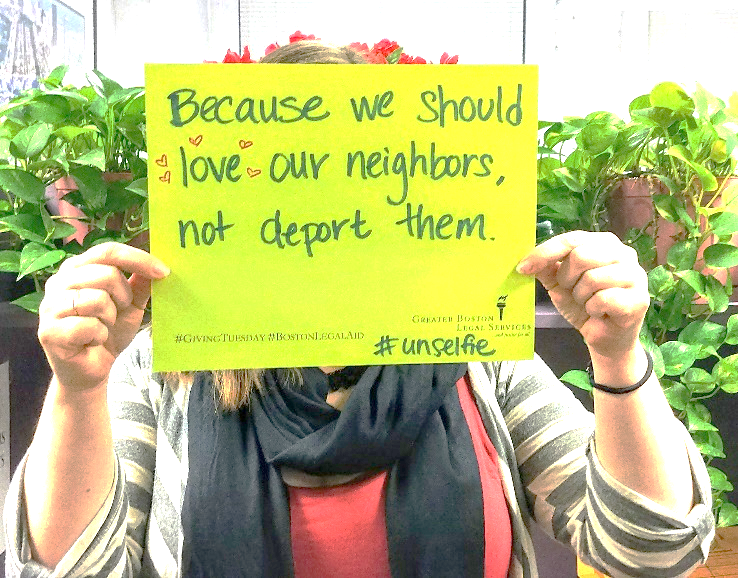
x,y
166,177
253,172
162,161
196,140
244,144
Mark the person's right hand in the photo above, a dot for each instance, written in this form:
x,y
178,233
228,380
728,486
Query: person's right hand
x,y
91,311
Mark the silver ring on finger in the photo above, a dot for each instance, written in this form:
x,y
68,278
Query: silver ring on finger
x,y
75,298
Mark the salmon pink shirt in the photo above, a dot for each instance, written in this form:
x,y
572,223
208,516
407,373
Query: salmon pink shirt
x,y
340,530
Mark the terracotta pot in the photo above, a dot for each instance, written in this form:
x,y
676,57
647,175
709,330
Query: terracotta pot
x,y
630,206
721,274
57,205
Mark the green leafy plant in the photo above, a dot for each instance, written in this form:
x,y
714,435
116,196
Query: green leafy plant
x,y
684,141
685,145
85,133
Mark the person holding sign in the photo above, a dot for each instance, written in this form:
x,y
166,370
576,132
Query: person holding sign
x,y
397,470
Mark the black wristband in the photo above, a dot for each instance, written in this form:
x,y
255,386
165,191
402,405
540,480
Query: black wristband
x,y
628,388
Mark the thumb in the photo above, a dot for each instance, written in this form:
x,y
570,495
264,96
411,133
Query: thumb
x,y
141,288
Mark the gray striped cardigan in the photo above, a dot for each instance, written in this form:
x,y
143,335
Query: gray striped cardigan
x,y
542,434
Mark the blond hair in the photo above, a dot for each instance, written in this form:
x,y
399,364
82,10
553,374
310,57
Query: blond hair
x,y
233,388
313,52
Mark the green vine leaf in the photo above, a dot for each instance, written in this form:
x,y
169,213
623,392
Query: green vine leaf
x,y
94,158
578,378
69,133
694,279
719,480
140,187
677,394
725,373
29,142
30,302
9,261
394,56
731,337
718,296
91,186
721,255
683,255
23,185
698,380
666,207
698,425
35,257
567,179
678,356
697,420
707,179
660,281
703,333
728,515
672,96
723,223
29,227
599,133
709,450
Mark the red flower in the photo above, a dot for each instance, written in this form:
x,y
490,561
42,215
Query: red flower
x,y
407,59
297,36
246,56
446,59
383,52
385,47
231,57
374,57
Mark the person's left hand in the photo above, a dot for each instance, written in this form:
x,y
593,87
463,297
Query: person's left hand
x,y
596,283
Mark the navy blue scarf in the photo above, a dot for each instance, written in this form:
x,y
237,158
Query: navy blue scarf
x,y
406,419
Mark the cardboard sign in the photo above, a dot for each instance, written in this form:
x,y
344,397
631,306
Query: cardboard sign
x,y
317,215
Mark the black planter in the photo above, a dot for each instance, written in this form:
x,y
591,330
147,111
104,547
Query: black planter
x,y
11,289
541,293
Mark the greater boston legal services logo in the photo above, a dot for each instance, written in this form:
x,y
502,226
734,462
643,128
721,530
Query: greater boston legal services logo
x,y
501,304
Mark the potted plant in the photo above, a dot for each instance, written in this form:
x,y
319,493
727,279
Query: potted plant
x,y
61,147
680,149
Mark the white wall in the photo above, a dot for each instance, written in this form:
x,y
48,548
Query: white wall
x,y
132,32
599,56
591,55
480,31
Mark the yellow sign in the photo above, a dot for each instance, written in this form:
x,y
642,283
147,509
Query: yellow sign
x,y
318,215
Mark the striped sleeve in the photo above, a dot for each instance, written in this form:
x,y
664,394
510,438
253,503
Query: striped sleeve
x,y
616,530
112,544
97,552
132,397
